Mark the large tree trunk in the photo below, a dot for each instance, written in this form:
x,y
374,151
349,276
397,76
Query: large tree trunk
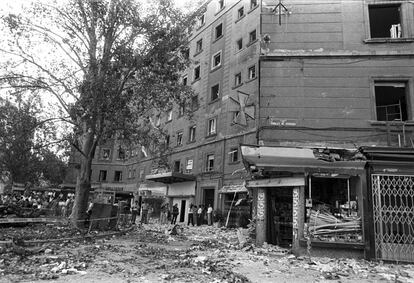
x,y
83,183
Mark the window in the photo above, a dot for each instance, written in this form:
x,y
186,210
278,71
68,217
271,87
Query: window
x,y
102,175
189,166
219,31
197,73
181,109
118,176
240,12
167,141
391,100
385,21
179,138
177,166
211,126
134,173
253,3
234,155
216,60
252,36
215,92
239,44
220,4
106,153
235,116
201,20
121,153
335,201
210,162
185,80
237,79
192,133
169,115
199,46
252,72
129,173
194,103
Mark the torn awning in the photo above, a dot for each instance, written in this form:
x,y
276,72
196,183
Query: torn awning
x,y
233,189
298,160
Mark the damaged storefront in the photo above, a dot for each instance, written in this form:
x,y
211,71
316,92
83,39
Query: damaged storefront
x,y
236,204
308,198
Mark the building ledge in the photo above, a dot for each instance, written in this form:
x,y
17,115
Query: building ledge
x,y
389,40
170,177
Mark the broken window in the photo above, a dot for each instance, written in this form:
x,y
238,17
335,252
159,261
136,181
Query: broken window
x,y
391,101
179,138
385,21
240,12
211,127
216,60
105,153
234,155
332,212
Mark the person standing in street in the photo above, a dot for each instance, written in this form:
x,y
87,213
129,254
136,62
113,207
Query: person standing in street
x,y
194,214
190,215
134,212
209,215
175,213
144,213
200,215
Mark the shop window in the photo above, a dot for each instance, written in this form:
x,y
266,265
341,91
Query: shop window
x,y
218,31
239,44
385,21
216,60
234,155
102,175
215,92
106,153
237,79
210,162
179,138
197,73
391,101
251,72
240,12
192,134
332,212
199,46
118,176
211,127
252,36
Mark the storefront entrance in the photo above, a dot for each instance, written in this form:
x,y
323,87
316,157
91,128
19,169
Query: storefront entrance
x,y
393,205
280,216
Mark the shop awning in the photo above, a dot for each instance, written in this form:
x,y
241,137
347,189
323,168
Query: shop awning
x,y
170,177
233,189
297,160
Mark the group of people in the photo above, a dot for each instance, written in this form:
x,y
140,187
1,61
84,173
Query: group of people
x,y
200,215
51,203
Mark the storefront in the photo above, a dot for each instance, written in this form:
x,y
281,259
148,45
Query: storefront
x,y
180,190
308,197
236,205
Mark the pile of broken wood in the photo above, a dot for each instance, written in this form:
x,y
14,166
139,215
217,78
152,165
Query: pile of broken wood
x,y
324,223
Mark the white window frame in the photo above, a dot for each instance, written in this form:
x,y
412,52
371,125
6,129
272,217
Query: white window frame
x,y
250,73
213,60
199,46
180,136
234,152
212,126
250,36
238,79
192,133
211,92
209,157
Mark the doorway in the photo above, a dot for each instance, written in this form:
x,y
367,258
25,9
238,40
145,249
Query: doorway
x,y
182,211
280,216
209,197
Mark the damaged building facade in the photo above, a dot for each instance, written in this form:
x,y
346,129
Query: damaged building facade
x,y
333,169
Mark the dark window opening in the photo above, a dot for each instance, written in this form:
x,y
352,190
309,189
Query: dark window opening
x,y
210,162
197,73
191,135
239,44
118,176
215,90
237,79
385,21
391,101
240,12
252,36
234,155
177,166
219,30
102,175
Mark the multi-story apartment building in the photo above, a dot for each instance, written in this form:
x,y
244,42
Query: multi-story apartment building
x,y
319,93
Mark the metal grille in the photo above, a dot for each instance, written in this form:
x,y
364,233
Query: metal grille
x,y
393,204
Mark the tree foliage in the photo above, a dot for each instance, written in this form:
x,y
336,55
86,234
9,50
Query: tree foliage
x,y
109,63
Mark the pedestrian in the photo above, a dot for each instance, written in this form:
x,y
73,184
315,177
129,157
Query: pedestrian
x,y
164,213
209,215
134,212
144,213
190,215
200,215
195,214
175,213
